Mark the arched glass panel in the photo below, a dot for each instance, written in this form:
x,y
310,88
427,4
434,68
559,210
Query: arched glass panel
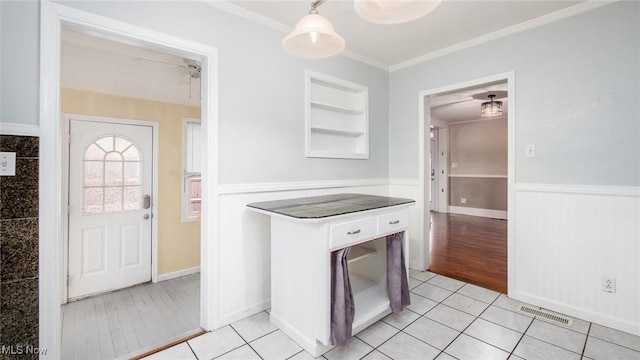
x,y
112,176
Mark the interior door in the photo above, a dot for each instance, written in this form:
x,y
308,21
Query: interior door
x,y
110,188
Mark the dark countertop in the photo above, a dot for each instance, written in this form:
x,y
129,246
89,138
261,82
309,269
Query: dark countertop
x,y
317,207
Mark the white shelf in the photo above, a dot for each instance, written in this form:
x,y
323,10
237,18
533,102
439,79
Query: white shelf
x,y
337,119
358,253
336,131
330,107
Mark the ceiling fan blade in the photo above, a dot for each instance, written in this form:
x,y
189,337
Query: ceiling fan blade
x,y
161,62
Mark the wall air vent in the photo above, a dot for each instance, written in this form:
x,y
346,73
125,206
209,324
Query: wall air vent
x,y
555,318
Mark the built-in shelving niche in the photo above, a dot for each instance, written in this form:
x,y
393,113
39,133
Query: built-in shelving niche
x,y
337,118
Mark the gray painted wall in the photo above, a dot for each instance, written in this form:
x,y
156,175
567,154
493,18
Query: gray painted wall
x,y
478,147
261,88
19,61
577,97
481,193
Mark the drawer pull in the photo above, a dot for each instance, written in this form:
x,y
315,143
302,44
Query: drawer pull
x,y
394,222
353,232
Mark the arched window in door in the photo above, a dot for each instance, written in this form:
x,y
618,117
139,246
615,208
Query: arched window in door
x,y
112,179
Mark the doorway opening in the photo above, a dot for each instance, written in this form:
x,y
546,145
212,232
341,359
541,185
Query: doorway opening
x,y
132,211
468,181
55,19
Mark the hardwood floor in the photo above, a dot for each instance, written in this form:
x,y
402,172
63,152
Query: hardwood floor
x,y
470,248
125,321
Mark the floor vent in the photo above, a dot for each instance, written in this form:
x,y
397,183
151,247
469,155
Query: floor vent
x,y
563,320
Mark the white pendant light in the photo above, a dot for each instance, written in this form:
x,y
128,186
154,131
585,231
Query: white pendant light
x,y
394,11
313,37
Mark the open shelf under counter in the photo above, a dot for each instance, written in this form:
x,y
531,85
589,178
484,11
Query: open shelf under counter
x,y
371,300
359,253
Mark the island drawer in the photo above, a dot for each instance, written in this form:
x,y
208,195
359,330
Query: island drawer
x,y
392,222
351,232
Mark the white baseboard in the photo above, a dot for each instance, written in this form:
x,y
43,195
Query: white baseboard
x,y
583,314
243,313
496,214
179,273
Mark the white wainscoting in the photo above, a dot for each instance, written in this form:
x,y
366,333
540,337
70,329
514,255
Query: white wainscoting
x,y
245,239
409,189
566,239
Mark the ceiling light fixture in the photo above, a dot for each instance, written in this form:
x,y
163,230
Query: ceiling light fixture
x,y
491,108
394,11
313,37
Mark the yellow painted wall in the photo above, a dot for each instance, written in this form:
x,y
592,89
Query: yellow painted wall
x,y
178,243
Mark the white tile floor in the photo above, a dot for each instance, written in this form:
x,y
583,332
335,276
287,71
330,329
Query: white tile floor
x,y
448,319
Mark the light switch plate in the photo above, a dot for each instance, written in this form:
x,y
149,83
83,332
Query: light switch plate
x,y
531,150
7,164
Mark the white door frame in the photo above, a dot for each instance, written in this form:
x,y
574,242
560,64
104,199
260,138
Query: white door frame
x,y
51,205
423,131
66,117
435,165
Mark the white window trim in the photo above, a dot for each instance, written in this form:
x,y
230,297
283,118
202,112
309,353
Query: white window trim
x,y
187,216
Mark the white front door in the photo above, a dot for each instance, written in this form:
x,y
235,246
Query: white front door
x,y
110,188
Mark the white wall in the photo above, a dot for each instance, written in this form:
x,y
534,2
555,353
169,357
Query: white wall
x,y
577,99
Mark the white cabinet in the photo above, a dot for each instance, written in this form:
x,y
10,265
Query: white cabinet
x,y
301,271
337,118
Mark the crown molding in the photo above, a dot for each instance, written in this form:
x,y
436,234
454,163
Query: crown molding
x,y
546,19
231,8
249,15
285,29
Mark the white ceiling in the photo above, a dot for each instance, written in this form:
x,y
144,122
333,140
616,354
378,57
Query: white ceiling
x,y
464,104
101,65
452,23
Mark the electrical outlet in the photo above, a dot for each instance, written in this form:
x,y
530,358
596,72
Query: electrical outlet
x,y
7,164
609,284
463,200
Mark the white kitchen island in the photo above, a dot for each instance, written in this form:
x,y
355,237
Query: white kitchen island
x,y
304,232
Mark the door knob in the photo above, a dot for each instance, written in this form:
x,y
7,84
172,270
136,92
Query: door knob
x,y
146,216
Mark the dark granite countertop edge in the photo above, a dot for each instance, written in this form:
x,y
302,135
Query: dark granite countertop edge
x,y
310,208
